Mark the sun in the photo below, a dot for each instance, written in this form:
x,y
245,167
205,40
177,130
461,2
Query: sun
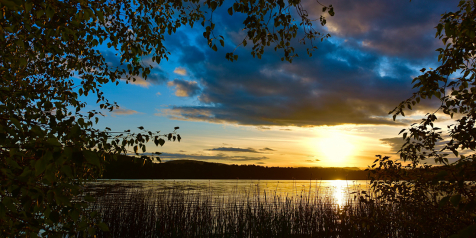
x,y
335,149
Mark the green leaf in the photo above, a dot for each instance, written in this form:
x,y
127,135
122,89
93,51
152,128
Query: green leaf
x,y
75,131
15,122
28,6
444,201
230,11
23,62
8,203
74,214
50,12
39,13
455,199
41,164
91,231
3,211
9,4
213,5
21,44
161,142
103,226
89,198
91,157
53,142
331,11
61,199
100,15
37,130
67,170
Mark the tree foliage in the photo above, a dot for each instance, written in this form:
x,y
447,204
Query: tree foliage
x,y
453,83
49,58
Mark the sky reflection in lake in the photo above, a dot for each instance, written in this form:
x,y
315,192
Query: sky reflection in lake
x,y
337,191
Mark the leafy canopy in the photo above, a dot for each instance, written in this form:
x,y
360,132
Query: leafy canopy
x,y
453,84
49,57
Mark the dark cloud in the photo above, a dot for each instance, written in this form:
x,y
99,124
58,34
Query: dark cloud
x,y
324,90
357,77
395,143
397,28
267,149
156,76
233,149
184,88
221,157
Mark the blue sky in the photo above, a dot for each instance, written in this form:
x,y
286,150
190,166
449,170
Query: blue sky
x,y
330,109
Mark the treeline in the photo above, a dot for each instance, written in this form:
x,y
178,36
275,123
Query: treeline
x,y
126,168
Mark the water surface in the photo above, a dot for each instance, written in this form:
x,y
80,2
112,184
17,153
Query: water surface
x,y
338,191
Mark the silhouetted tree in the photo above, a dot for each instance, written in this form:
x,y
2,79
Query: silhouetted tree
x,y
453,83
48,145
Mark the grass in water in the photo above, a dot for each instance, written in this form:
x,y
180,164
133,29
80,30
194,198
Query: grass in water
x,y
135,212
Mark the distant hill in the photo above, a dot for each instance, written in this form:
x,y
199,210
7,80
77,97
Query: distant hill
x,y
126,168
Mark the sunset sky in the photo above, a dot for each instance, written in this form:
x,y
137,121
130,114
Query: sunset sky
x,y
330,109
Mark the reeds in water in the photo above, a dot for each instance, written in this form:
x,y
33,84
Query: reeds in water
x,y
130,212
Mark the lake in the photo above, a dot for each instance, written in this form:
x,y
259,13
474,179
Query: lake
x,y
338,191
261,208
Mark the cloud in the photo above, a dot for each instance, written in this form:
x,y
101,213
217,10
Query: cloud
x,y
397,28
233,149
180,71
356,77
395,143
323,91
156,76
267,149
184,88
124,111
221,157
312,160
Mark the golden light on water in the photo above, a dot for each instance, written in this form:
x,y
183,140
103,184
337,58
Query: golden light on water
x,y
335,149
339,191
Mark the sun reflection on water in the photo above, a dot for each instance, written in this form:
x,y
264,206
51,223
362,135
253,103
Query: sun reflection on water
x,y
339,191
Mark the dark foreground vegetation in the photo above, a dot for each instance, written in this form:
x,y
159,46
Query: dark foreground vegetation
x,y
50,145
126,168
132,212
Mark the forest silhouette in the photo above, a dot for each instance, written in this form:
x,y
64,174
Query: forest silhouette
x,y
127,168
